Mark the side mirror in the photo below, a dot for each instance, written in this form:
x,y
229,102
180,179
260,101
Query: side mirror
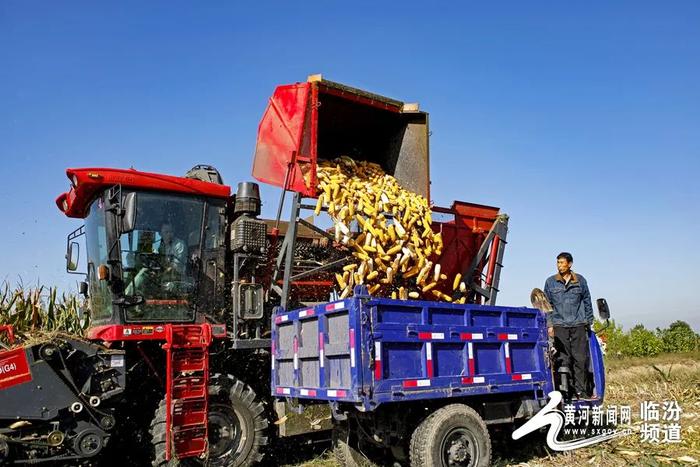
x,y
603,309
72,256
83,288
128,221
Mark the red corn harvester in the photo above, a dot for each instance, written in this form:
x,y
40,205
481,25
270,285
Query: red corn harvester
x,y
181,280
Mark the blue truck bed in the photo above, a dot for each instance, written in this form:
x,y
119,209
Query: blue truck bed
x,y
368,351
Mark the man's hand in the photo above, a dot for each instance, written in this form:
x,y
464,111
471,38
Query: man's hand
x,y
550,331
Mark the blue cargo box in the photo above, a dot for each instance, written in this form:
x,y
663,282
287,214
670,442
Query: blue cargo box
x,y
368,351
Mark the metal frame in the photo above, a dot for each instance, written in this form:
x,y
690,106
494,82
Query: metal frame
x,y
80,231
285,258
491,253
250,343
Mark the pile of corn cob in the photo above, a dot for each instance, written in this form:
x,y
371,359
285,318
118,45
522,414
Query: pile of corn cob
x,y
394,243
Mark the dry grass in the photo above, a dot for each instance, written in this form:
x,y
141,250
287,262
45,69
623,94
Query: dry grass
x,y
629,382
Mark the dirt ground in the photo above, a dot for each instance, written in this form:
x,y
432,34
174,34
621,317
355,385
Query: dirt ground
x,y
629,382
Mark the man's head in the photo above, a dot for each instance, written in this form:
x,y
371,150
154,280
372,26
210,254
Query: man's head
x,y
166,232
564,262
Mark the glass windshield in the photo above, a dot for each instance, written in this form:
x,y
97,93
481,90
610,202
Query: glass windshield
x,y
158,256
97,253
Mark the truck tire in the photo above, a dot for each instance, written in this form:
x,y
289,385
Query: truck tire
x,y
454,435
236,427
346,449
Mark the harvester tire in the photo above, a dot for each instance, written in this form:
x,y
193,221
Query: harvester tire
x,y
452,435
346,448
237,427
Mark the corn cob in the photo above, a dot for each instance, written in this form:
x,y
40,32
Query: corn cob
x,y
386,252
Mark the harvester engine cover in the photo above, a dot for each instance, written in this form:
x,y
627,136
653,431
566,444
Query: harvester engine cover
x,y
57,401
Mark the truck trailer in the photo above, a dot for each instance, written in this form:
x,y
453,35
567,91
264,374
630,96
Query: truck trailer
x,y
211,328
418,381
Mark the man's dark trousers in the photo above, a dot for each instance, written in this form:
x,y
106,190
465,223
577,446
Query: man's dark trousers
x,y
571,343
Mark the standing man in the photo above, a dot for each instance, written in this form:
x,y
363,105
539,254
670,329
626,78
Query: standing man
x,y
571,319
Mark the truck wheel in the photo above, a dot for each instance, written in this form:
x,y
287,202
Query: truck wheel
x,y
236,426
346,448
454,435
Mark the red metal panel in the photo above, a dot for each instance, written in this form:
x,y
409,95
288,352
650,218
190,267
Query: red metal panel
x,y
139,332
89,182
14,368
462,235
117,332
379,104
278,153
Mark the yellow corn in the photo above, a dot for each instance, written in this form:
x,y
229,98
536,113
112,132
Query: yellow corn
x,y
411,272
394,249
436,272
319,204
392,233
455,282
386,252
340,280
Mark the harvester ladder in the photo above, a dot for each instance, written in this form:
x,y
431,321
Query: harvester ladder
x,y
187,354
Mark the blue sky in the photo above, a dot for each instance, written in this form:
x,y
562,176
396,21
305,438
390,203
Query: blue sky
x,y
581,121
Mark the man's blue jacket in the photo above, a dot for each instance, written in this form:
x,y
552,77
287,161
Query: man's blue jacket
x,y
571,302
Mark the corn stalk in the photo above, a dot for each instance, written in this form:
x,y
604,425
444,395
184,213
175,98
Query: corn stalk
x,y
41,310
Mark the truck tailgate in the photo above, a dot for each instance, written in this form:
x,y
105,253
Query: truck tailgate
x,y
370,351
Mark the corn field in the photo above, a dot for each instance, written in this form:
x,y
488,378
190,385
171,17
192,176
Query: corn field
x,y
40,310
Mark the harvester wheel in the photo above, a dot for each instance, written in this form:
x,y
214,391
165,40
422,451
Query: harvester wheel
x,y
236,427
454,435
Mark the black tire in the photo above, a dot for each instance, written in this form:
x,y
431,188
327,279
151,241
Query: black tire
x,y
233,411
346,448
454,435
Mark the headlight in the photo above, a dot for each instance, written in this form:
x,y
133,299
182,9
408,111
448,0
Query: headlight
x,y
75,181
